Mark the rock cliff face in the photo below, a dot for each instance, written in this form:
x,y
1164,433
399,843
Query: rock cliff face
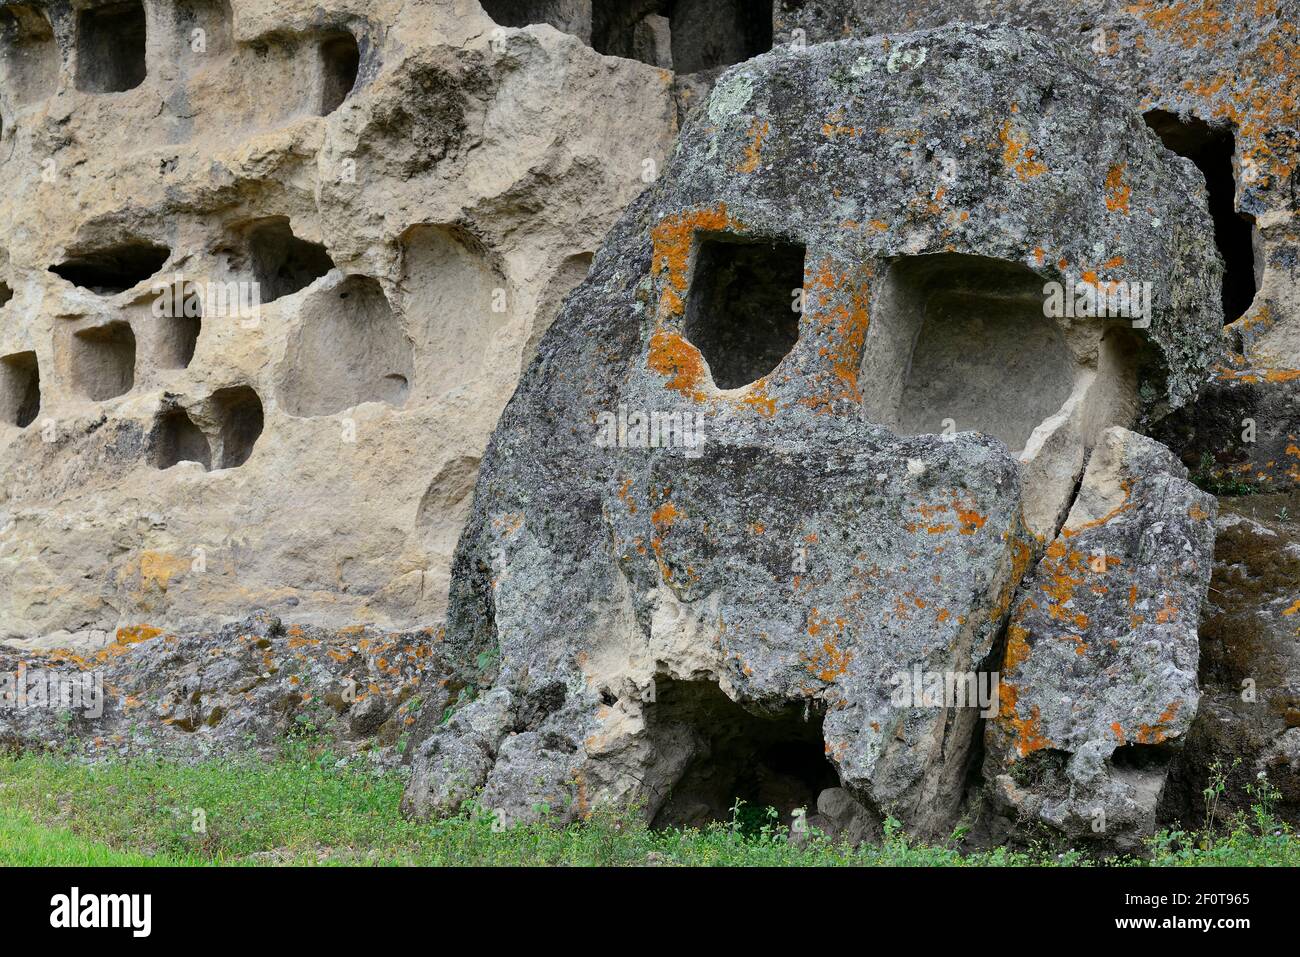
x,y
818,390
271,273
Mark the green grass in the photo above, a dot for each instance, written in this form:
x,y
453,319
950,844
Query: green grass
x,y
24,843
305,809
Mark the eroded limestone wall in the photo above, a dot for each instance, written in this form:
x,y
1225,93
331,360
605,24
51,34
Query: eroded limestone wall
x,y
412,189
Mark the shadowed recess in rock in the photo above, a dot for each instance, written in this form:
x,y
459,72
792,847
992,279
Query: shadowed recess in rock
x,y
29,57
1212,149
5,293
111,48
103,360
283,264
960,343
776,761
684,35
340,59
20,389
349,349
740,309
175,438
568,16
176,335
239,412
112,269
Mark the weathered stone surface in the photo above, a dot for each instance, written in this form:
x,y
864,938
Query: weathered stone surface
x,y
316,462
1099,680
1249,717
248,686
1229,63
1242,434
793,552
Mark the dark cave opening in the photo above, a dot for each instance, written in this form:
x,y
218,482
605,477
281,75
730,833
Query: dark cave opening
x,y
111,48
776,760
242,419
175,439
739,310
112,269
20,389
1212,149
340,62
282,263
687,36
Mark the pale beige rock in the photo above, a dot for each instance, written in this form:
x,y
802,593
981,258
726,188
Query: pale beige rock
x,y
458,191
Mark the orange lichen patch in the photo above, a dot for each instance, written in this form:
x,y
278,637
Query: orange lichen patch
x,y
1155,733
672,239
680,363
1197,514
1294,609
135,634
828,662
625,496
1168,612
757,528
837,303
834,126
1190,22
1114,262
1021,555
510,523
1017,154
1119,732
158,568
968,519
971,520
664,516
754,150
756,397
1017,647
1117,191
1028,732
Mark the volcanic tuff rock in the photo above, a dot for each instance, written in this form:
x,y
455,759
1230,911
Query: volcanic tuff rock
x,y
1099,676
247,686
803,431
678,612
415,190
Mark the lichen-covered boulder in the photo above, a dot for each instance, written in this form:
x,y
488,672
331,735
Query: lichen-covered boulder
x,y
1099,682
776,468
1216,79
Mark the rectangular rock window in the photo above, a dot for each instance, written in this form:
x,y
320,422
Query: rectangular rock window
x,y
20,389
111,48
739,311
340,61
103,361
